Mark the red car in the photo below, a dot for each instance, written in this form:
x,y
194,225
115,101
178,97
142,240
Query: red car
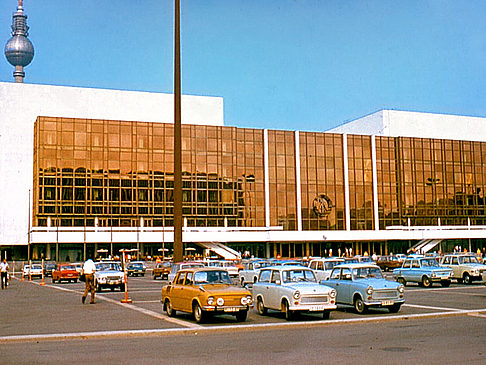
x,y
66,272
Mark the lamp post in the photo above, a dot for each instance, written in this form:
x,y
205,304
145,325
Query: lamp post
x,y
178,243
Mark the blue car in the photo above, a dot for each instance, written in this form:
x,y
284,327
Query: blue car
x,y
362,285
424,271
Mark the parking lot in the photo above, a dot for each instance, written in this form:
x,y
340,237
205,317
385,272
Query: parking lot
x,y
33,309
49,324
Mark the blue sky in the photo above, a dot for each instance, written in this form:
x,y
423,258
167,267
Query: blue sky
x,y
278,64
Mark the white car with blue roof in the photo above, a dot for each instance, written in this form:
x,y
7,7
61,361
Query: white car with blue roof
x,y
292,289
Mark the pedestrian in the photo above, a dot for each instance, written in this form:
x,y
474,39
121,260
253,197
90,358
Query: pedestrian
x,y
89,269
4,273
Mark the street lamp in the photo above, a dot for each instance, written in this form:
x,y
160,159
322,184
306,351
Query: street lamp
x,y
178,242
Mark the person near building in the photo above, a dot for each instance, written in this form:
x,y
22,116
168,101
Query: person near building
x,y
4,273
89,269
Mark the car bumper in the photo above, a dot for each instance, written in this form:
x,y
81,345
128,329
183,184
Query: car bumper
x,y
313,307
226,309
384,302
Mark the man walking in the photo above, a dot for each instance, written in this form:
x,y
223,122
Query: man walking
x,y
89,269
4,273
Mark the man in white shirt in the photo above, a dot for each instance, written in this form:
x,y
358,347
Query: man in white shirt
x,y
89,269
4,273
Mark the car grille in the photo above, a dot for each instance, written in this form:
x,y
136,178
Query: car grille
x,y
113,278
314,299
385,294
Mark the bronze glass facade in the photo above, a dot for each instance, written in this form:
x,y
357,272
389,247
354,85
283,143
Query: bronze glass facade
x,y
117,173
120,174
322,176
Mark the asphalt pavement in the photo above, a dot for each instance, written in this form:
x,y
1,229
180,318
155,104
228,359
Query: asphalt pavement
x,y
49,324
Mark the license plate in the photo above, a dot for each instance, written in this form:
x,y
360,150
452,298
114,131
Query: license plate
x,y
387,302
231,309
315,308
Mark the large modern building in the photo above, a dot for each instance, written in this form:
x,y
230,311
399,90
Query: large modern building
x,y
88,170
83,170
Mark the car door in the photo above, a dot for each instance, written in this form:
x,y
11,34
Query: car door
x,y
345,286
176,291
416,271
274,291
406,270
187,292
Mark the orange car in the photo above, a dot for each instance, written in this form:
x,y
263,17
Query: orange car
x,y
204,292
65,272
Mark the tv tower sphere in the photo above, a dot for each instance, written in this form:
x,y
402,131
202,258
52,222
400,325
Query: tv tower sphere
x,y
19,50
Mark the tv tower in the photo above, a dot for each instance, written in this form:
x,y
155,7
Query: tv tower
x,y
19,50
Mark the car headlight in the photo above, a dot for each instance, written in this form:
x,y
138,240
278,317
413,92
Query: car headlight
x,y
296,294
475,272
220,301
369,290
401,289
249,299
433,275
332,294
244,301
210,300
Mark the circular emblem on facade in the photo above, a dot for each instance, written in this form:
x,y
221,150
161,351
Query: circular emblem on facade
x,y
322,205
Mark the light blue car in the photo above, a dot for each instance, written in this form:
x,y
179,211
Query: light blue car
x,y
424,271
362,285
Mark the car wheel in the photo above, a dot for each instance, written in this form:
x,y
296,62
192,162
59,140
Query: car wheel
x,y
426,283
198,313
260,307
241,315
359,305
289,314
75,280
394,308
53,281
445,283
467,279
402,281
169,309
122,287
326,314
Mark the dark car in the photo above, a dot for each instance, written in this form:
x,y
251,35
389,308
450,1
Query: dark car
x,y
48,267
135,269
162,270
389,262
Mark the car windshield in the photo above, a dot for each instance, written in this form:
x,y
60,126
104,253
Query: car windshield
x,y
429,263
211,277
37,267
295,275
136,266
187,266
367,272
68,267
108,266
328,265
469,260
